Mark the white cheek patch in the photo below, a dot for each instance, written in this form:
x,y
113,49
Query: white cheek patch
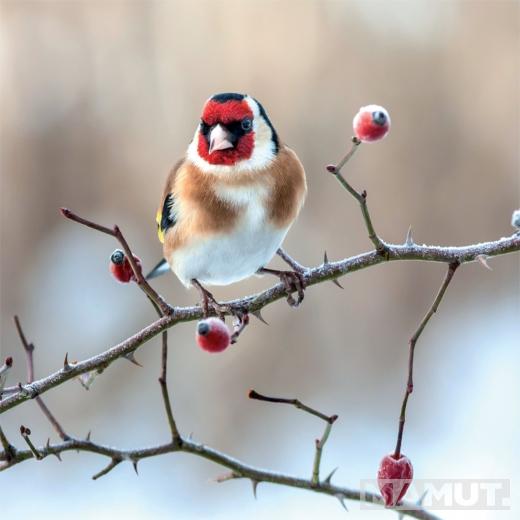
x,y
263,154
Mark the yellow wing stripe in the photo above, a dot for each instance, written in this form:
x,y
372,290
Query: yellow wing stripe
x,y
160,232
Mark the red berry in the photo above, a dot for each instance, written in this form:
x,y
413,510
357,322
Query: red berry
x,y
371,123
212,335
394,477
9,361
120,266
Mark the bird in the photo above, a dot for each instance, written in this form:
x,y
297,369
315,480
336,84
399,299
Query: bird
x,y
228,204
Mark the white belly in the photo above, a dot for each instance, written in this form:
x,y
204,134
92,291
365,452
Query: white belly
x,y
231,257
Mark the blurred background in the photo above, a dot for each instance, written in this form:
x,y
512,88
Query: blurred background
x,y
99,99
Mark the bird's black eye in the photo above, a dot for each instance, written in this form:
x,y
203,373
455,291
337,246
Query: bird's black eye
x,y
246,124
204,127
379,118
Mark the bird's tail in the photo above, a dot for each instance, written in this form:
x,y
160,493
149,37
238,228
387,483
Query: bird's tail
x,y
161,268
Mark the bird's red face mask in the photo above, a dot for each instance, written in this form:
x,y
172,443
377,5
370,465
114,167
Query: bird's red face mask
x,y
226,133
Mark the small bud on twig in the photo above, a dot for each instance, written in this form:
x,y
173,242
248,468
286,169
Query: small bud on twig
x,y
331,168
25,432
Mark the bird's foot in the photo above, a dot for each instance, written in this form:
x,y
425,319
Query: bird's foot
x,y
292,281
240,323
208,302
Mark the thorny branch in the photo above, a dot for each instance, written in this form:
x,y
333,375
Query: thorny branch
x,y
294,402
169,316
29,350
253,303
163,381
360,197
413,340
116,233
239,469
330,420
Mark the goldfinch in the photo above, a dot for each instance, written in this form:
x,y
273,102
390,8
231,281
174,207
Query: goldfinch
x,y
228,204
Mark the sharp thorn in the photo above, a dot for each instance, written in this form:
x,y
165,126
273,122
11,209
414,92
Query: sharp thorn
x,y
134,464
87,438
482,259
131,357
409,238
325,258
341,499
48,445
335,282
329,477
66,364
258,315
254,483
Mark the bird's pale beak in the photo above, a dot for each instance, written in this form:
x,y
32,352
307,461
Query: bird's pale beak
x,y
219,139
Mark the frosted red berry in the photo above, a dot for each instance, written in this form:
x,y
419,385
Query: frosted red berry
x,y
120,266
394,477
371,123
212,335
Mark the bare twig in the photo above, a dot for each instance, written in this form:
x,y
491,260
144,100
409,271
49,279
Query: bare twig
x,y
319,442
361,197
25,432
252,304
330,420
255,302
353,149
240,469
164,389
29,350
319,449
163,381
111,465
116,233
294,402
413,340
